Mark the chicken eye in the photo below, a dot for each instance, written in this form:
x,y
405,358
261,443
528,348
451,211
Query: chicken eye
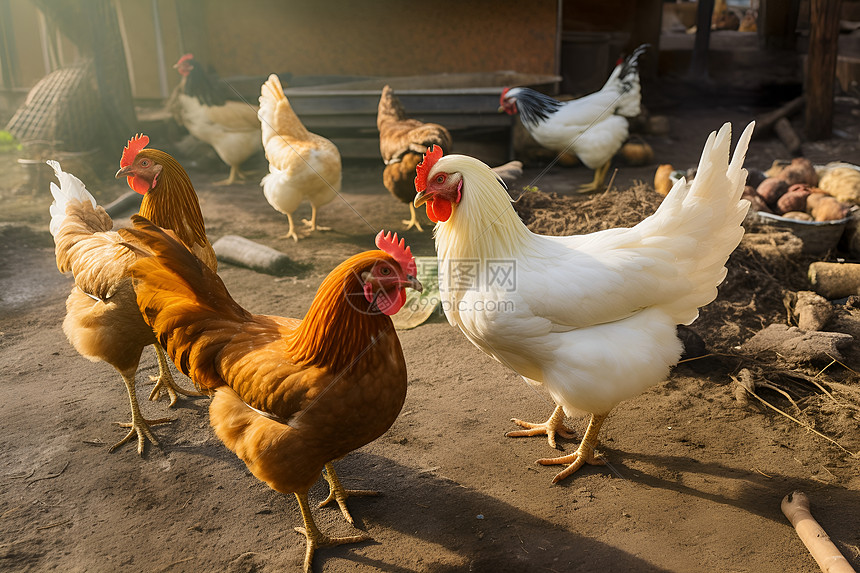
x,y
385,271
440,179
144,163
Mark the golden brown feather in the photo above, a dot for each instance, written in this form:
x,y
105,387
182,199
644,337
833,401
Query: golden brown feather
x,y
290,396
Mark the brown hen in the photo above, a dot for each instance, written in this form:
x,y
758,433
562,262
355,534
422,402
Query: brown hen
x,y
290,396
102,319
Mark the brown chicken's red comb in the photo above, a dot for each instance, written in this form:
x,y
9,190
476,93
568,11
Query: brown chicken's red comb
x,y
431,156
135,144
397,249
184,58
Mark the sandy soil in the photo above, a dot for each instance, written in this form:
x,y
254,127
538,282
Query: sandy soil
x,y
694,479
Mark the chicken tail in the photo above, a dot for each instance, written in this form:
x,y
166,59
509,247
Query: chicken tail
x,y
71,189
271,93
624,80
702,221
184,301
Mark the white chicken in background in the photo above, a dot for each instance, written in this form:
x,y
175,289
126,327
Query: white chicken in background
x,y
230,127
593,127
592,318
302,165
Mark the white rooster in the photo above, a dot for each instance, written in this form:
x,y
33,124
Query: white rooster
x,y
593,127
592,317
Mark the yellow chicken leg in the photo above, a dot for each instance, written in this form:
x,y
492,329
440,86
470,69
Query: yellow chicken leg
x,y
312,224
599,179
139,425
338,493
234,175
413,221
165,382
584,454
315,538
554,425
291,234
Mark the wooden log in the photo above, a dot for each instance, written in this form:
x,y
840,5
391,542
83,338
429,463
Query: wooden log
x,y
788,136
834,280
765,122
244,252
821,67
795,506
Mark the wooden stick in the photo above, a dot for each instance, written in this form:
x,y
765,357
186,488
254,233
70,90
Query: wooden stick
x,y
764,123
788,136
795,506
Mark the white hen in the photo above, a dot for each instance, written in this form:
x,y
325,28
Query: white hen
x,y
592,317
302,165
593,127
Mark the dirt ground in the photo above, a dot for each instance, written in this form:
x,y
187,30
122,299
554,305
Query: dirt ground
x,y
693,482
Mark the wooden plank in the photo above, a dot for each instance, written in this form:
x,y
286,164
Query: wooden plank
x,y
821,67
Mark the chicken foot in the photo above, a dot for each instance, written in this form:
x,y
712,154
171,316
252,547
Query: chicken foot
x,y
599,179
139,425
413,222
339,494
235,174
165,381
554,425
315,538
584,454
312,224
291,234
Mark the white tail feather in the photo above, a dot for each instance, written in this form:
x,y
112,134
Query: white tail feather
x,y
270,94
70,188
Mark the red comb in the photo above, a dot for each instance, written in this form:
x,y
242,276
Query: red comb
x,y
397,249
135,144
431,156
504,92
185,58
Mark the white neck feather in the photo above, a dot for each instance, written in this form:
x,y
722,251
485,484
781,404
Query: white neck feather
x,y
483,225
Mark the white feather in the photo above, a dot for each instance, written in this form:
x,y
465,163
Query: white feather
x,y
70,188
591,317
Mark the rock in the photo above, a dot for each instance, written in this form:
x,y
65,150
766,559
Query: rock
x,y
812,311
796,346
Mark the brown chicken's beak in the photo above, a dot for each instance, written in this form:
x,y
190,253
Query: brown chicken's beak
x,y
420,199
123,172
501,109
414,283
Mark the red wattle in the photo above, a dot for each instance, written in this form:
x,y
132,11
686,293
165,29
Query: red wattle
x,y
139,185
390,305
439,210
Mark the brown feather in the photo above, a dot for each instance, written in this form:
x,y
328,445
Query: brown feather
x,y
336,380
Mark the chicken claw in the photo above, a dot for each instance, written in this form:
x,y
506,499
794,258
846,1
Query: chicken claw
x,y
599,179
234,175
338,493
139,425
554,425
315,538
413,222
312,224
584,454
165,382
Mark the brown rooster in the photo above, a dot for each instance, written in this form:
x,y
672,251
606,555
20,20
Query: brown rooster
x,y
290,396
402,143
102,319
